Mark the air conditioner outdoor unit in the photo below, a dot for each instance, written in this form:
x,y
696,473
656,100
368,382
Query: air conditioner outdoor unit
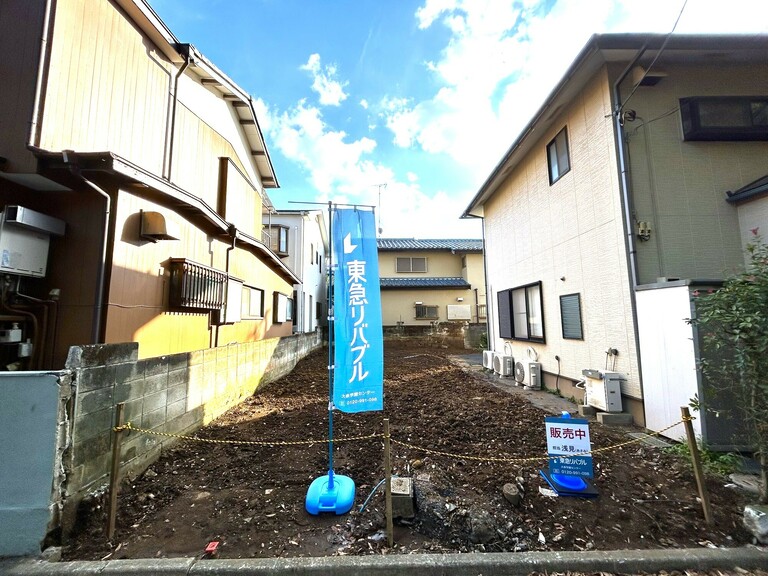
x,y
503,365
488,359
603,390
534,376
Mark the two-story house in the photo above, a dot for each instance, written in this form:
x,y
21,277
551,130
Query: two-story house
x,y
300,238
612,207
133,181
428,281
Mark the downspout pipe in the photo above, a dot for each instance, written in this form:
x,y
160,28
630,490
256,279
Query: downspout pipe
x,y
172,124
97,325
626,198
42,74
232,230
621,153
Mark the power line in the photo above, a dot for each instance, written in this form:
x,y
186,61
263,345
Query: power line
x,y
659,53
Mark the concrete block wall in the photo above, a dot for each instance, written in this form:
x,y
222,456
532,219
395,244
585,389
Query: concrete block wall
x,y
175,394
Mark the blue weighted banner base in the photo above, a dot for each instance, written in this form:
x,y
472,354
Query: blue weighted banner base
x,y
566,485
330,493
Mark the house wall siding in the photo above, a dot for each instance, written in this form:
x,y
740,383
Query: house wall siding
x,y
138,296
571,230
680,187
753,215
438,264
108,86
399,305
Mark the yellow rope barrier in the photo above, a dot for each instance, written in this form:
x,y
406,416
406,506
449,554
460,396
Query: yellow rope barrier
x,y
129,427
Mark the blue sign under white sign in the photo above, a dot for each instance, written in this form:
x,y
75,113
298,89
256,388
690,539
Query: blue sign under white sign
x,y
568,446
358,377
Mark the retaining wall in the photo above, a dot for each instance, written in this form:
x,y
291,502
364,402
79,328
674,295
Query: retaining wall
x,y
175,394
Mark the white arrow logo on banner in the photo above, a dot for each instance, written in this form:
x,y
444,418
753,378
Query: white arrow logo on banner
x,y
348,246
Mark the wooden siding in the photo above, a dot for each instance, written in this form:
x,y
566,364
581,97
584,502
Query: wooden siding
x,y
108,87
138,295
21,23
239,202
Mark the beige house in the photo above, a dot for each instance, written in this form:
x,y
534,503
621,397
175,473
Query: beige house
x,y
133,183
431,281
153,163
613,207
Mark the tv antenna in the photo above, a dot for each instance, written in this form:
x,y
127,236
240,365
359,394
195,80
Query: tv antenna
x,y
380,186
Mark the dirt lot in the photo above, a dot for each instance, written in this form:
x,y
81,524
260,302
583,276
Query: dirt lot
x,y
250,498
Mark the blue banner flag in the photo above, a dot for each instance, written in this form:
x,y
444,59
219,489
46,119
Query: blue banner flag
x,y
358,376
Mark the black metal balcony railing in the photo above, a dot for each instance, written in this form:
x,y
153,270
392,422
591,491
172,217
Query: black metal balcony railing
x,y
195,286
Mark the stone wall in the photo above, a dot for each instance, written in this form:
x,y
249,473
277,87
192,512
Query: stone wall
x,y
174,394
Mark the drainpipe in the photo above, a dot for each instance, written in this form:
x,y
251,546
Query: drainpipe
x,y
70,159
624,168
169,137
488,319
626,200
42,74
232,231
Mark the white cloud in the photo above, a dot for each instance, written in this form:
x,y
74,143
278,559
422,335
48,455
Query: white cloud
x,y
503,59
342,170
330,90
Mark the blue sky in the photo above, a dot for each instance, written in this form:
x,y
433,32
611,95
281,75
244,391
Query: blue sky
x,y
408,105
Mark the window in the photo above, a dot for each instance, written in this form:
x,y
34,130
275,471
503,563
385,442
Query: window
x,y
252,305
426,312
278,240
725,118
282,308
557,156
570,316
521,314
405,264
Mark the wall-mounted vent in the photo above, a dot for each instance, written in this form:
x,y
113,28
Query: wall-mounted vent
x,y
155,226
195,286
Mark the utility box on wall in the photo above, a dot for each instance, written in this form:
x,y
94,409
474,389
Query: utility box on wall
x,y
603,390
24,239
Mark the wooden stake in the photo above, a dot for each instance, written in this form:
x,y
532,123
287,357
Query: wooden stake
x,y
114,474
388,485
697,470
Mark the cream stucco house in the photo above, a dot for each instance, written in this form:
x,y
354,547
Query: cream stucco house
x,y
613,206
424,282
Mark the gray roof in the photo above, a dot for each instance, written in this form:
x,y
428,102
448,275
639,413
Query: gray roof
x,y
752,190
425,283
458,245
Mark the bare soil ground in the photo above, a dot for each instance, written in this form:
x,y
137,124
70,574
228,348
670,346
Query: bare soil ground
x,y
250,498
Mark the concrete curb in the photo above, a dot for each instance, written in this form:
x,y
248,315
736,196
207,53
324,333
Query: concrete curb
x,y
487,564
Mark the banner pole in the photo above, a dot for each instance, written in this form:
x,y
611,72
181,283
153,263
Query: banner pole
x,y
331,354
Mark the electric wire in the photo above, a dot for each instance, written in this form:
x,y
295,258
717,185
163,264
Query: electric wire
x,y
658,54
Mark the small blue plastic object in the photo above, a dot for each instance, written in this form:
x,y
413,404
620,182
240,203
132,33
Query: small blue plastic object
x,y
570,483
331,493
